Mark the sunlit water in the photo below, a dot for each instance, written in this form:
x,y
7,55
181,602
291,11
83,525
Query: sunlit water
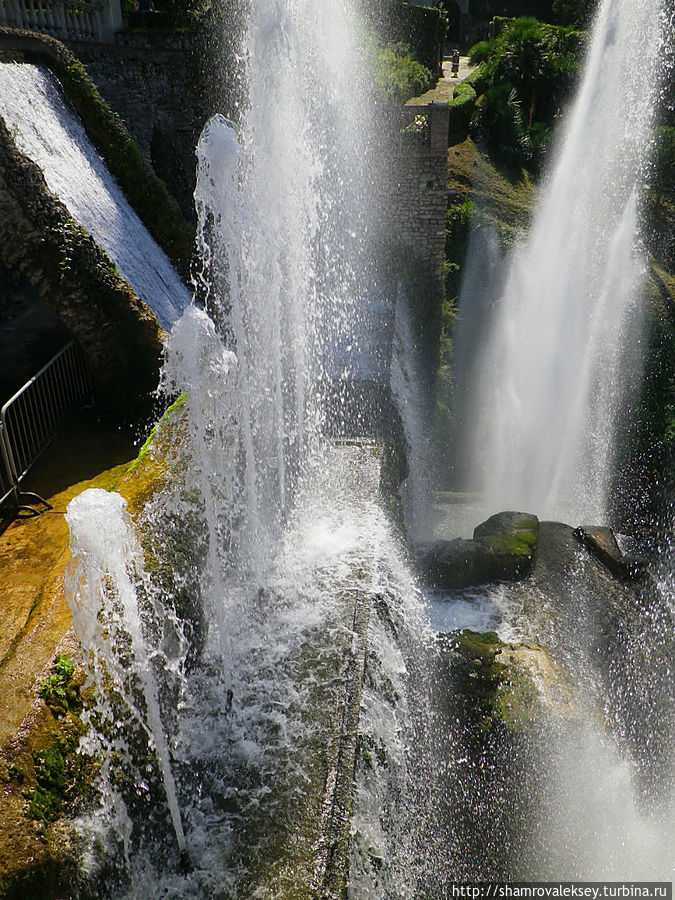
x,y
562,345
273,535
47,129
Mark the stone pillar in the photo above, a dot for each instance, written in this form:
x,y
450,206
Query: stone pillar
x,y
439,123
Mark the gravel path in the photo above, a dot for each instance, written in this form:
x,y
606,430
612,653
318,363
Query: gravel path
x,y
442,92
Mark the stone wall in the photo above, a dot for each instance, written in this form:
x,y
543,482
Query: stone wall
x,y
419,164
155,83
421,197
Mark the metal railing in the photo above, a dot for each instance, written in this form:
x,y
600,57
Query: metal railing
x,y
29,420
81,20
7,482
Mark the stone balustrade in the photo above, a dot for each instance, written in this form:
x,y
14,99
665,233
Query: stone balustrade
x,y
68,20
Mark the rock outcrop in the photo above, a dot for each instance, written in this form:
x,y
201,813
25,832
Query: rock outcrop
x,y
502,549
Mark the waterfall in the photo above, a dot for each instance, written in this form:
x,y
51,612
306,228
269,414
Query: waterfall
x,y
407,384
285,224
563,343
47,129
287,530
311,640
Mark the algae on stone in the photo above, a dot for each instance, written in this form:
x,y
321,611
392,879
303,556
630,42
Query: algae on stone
x,y
513,685
502,549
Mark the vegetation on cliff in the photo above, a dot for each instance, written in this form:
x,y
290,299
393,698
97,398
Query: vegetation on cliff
x,y
528,70
398,75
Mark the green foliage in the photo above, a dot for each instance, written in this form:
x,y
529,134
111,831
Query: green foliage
x,y
528,69
576,13
662,185
62,779
457,226
462,106
501,118
57,689
399,76
418,129
480,52
538,140
422,29
50,772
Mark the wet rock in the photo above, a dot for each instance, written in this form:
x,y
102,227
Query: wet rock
x,y
502,549
510,685
602,543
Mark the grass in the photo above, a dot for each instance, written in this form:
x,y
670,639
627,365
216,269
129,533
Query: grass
x,y
505,193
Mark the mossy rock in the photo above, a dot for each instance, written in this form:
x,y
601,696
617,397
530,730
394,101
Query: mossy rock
x,y
502,549
510,686
46,782
513,534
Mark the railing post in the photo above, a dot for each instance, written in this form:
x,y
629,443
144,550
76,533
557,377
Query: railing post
x,y
9,484
30,419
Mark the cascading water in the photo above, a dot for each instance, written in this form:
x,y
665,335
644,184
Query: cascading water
x,y
287,534
285,223
47,130
407,387
108,622
281,556
564,340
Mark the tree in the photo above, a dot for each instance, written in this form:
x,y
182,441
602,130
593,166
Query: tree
x,y
527,66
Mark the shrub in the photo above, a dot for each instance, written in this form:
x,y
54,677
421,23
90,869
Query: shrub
x,y
457,228
480,52
537,140
662,186
462,106
527,71
422,28
479,79
399,76
501,121
573,12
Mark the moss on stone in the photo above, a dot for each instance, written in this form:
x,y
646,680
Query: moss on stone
x,y
512,533
168,417
511,686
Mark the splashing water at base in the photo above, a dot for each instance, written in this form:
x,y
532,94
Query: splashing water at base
x,y
101,588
